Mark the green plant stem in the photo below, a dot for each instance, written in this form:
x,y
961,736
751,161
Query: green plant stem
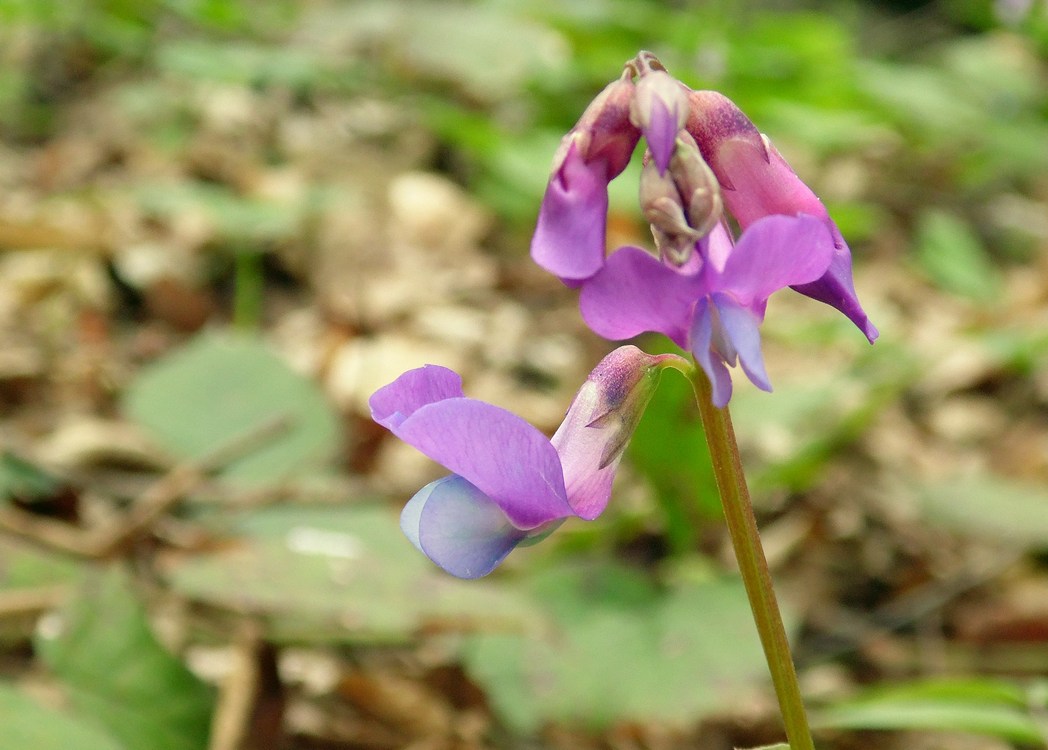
x,y
247,292
742,526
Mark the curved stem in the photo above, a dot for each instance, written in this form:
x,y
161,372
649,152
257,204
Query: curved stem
x,y
745,538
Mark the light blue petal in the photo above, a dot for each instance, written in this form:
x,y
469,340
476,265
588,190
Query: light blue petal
x,y
709,360
741,328
459,527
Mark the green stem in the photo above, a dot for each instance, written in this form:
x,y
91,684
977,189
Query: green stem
x,y
742,526
247,290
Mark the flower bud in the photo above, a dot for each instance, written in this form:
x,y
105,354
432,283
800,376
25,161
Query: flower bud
x,y
604,132
601,421
683,204
660,109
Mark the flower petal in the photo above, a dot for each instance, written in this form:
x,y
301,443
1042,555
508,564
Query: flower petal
x,y
600,422
837,289
393,403
635,293
775,252
459,527
660,108
708,359
507,459
569,239
741,327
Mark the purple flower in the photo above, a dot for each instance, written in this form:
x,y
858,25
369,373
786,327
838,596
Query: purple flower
x,y
714,308
757,182
510,483
569,238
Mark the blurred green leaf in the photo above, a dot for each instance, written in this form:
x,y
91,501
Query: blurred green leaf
x,y
337,573
20,480
951,254
23,565
980,706
991,507
103,650
669,449
30,726
220,388
244,62
238,219
637,654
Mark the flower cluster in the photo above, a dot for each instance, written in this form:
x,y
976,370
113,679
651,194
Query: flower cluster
x,y
704,163
706,170
510,484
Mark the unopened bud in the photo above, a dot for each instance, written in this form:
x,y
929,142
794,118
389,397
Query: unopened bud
x,y
660,109
604,131
683,204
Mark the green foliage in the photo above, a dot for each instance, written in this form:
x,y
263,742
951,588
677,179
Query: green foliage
x,y
991,507
978,705
28,724
953,257
223,388
335,574
116,672
618,648
23,481
669,449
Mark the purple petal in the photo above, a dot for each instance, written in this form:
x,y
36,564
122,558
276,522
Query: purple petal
x,y
599,424
659,108
661,134
764,184
569,239
775,252
393,403
837,289
709,360
459,527
741,327
635,293
505,457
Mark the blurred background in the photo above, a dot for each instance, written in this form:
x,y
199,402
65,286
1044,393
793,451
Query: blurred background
x,y
225,223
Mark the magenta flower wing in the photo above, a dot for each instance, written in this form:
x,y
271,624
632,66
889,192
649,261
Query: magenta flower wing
x,y
508,459
708,357
635,293
775,252
758,182
393,403
569,239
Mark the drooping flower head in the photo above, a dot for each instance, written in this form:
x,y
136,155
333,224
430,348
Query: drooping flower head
x,y
705,163
509,482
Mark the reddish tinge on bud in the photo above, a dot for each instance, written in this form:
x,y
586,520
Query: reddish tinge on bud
x,y
758,182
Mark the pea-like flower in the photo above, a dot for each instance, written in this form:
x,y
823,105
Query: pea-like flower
x,y
715,309
756,182
705,162
511,484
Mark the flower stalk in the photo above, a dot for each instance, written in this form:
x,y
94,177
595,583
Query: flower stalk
x,y
745,539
